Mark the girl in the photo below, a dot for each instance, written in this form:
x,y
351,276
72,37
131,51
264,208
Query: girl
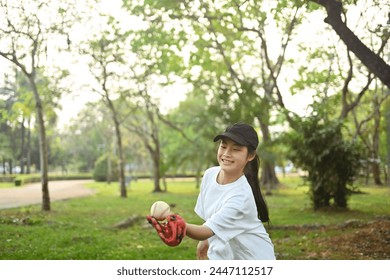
x,y
230,202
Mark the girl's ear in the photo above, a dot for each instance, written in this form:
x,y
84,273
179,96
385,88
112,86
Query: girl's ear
x,y
251,156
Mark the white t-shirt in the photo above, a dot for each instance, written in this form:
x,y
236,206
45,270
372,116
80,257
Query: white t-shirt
x,y
230,212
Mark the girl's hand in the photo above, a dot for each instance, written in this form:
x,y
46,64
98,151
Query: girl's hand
x,y
201,250
171,232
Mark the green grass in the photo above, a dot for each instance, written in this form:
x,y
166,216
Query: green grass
x,y
84,228
6,185
290,206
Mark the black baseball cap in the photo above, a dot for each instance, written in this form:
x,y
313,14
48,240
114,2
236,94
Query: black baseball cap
x,y
241,133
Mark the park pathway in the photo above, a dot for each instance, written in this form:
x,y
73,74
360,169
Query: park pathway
x,y
32,194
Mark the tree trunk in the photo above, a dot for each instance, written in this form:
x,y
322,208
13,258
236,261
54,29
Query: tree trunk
x,y
28,152
122,182
198,178
109,165
165,184
268,177
156,172
121,168
375,145
156,165
373,62
387,118
42,147
156,151
22,158
376,173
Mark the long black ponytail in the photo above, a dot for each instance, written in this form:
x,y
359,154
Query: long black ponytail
x,y
252,174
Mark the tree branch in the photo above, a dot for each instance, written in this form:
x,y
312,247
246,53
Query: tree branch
x,y
372,61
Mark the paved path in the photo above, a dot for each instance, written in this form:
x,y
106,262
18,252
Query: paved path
x,y
32,193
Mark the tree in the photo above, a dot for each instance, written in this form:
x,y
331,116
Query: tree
x,y
145,124
88,137
5,139
368,130
156,60
387,126
17,113
342,88
369,58
25,35
107,57
186,140
226,37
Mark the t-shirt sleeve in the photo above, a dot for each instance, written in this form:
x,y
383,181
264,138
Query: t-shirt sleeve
x,y
230,220
199,210
199,207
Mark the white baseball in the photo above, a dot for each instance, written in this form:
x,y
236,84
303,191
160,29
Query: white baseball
x,y
160,210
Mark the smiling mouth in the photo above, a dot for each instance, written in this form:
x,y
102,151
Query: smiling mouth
x,y
226,161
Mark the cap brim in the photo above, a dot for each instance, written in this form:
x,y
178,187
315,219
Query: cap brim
x,y
231,136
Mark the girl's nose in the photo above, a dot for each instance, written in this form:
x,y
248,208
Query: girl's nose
x,y
227,151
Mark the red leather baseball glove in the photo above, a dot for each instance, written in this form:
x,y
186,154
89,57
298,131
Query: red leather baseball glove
x,y
171,232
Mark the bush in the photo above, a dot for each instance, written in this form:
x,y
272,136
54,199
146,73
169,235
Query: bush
x,y
18,182
7,178
101,172
35,178
332,162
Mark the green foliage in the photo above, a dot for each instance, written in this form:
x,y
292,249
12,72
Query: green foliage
x,y
189,148
87,137
102,170
331,161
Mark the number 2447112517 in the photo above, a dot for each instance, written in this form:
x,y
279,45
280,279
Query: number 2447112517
x,y
239,270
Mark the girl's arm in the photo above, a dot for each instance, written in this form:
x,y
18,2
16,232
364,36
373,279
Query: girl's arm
x,y
201,250
198,232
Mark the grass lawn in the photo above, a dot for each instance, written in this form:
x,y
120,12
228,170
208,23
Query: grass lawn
x,y
84,228
7,184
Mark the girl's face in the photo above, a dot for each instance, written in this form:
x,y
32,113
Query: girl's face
x,y
233,157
